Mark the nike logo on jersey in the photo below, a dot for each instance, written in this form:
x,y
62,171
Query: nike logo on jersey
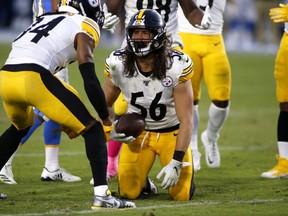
x,y
175,134
216,44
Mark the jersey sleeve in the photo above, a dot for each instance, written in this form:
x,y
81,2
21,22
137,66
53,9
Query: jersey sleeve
x,y
107,66
87,26
107,69
92,29
188,69
113,68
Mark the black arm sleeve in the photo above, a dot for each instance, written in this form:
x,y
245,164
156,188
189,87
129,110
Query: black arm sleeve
x,y
93,89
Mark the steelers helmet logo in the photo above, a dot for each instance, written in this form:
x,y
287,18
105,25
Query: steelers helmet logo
x,y
167,81
93,3
140,18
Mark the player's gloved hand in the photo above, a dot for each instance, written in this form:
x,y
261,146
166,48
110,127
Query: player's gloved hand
x,y
206,20
280,14
172,173
121,137
110,21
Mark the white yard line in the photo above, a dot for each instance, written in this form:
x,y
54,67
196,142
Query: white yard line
x,y
208,203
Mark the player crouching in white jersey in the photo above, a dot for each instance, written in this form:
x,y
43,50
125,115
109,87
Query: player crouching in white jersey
x,y
155,82
168,11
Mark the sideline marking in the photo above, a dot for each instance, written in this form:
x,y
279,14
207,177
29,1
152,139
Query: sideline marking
x,y
65,212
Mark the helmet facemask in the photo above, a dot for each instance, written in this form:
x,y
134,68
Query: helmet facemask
x,y
151,21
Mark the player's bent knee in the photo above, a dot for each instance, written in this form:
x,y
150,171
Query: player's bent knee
x,y
129,189
130,193
129,186
180,196
180,193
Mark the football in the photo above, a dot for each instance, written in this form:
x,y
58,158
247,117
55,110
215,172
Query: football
x,y
131,124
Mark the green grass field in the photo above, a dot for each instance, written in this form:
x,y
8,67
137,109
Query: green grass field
x,y
247,146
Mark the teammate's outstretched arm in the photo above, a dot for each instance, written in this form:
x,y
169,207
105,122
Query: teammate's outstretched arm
x,y
85,47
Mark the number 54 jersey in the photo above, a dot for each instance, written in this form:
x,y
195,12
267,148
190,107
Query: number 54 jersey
x,y
49,41
151,97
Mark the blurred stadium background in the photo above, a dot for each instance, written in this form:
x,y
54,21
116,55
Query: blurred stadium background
x,y
247,144
247,25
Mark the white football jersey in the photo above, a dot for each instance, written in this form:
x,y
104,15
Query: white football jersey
x,y
49,41
167,9
217,10
152,98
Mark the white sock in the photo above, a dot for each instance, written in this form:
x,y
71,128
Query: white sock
x,y
194,138
217,117
51,157
100,190
283,149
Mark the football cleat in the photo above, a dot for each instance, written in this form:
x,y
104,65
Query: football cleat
x,y
196,160
149,187
279,171
6,175
109,201
3,196
211,151
58,175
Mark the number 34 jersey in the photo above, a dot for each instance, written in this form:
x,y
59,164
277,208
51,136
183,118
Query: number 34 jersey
x,y
49,41
151,97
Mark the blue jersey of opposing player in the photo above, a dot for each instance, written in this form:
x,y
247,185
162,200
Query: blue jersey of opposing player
x,y
41,6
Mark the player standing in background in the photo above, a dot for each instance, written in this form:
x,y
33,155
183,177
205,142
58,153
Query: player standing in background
x,y
206,49
52,170
27,81
154,78
280,15
168,10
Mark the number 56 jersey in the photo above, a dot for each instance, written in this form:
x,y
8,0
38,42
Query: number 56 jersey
x,y
49,41
151,97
